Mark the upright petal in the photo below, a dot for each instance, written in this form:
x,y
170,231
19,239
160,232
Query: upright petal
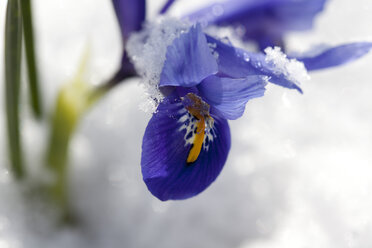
x,y
336,56
188,60
263,21
126,69
229,96
166,146
130,14
237,63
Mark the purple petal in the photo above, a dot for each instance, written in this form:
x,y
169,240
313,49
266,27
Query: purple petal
x,y
127,69
238,63
188,60
264,21
166,6
226,12
164,153
229,96
336,56
130,14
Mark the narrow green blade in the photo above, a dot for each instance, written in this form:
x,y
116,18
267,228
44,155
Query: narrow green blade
x,y
13,42
36,102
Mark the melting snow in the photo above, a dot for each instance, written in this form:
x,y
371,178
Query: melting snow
x,y
291,68
147,50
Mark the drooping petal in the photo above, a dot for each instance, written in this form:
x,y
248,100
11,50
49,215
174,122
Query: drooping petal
x,y
263,21
237,63
336,56
130,14
188,60
229,96
166,146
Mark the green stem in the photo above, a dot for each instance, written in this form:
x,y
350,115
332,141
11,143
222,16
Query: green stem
x,y
13,42
31,60
64,122
73,101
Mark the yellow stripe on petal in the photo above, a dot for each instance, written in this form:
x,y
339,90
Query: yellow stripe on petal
x,y
200,111
198,141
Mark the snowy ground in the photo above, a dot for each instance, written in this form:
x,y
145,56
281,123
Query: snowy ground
x,y
299,173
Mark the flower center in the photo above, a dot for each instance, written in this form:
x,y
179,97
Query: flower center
x,y
200,111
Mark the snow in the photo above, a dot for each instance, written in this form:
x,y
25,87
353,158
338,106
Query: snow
x,y
299,173
147,50
292,69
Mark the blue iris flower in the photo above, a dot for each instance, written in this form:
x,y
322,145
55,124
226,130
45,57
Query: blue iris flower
x,y
209,81
262,21
187,140
265,22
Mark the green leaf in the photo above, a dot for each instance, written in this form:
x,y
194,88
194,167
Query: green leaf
x,y
31,60
13,50
73,101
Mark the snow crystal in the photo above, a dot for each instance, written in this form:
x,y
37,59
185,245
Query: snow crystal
x,y
292,69
147,50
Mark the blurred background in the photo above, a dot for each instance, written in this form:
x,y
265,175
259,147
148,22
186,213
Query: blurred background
x,y
299,173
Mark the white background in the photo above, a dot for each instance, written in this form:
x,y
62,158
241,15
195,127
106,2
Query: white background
x,y
299,172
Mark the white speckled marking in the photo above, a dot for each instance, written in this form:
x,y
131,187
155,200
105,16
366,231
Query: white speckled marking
x,y
189,124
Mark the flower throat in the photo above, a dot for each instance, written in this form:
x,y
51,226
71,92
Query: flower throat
x,y
200,111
